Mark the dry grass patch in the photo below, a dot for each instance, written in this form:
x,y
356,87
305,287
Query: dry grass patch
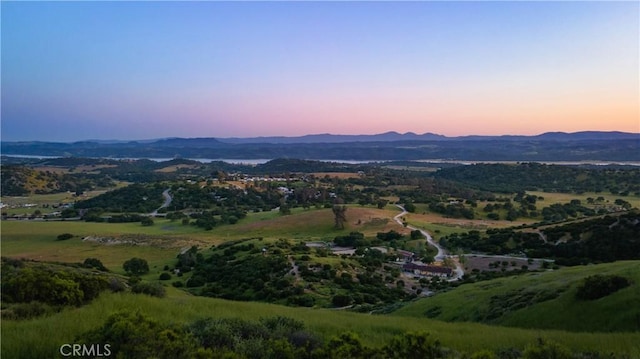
x,y
341,175
175,168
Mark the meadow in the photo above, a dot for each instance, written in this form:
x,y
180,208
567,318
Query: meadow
x,y
160,243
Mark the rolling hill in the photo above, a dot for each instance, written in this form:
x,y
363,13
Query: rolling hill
x,y
543,300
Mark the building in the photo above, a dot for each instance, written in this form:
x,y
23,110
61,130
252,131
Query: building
x,y
423,270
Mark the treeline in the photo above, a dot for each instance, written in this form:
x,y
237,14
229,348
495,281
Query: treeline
x,y
597,240
511,178
494,241
138,198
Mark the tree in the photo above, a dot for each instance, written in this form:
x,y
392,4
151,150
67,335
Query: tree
x,y
382,203
339,211
410,207
341,300
146,221
94,263
136,266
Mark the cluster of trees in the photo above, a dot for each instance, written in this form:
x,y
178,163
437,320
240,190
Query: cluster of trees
x,y
560,212
253,277
362,288
42,288
596,240
240,270
454,210
598,286
21,181
507,178
137,198
605,239
493,241
135,335
353,239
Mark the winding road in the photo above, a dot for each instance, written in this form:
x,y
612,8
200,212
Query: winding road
x,y
442,254
167,202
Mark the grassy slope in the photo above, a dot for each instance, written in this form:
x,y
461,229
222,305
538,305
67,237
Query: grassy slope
x,y
42,337
619,311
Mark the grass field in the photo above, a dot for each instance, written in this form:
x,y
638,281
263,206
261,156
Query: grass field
x,y
551,198
619,311
159,244
41,338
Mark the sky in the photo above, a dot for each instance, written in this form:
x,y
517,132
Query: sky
x,y
140,70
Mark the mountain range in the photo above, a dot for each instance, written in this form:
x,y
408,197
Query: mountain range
x,y
550,146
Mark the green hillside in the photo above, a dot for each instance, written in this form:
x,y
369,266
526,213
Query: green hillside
x,y
41,338
544,300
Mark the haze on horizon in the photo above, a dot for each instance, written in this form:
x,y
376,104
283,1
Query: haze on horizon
x,y
139,70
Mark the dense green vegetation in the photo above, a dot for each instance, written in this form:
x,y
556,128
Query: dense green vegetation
x,y
31,289
263,233
134,335
604,239
506,178
285,273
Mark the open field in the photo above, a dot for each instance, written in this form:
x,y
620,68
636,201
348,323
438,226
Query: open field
x,y
310,225
341,175
163,241
43,341
551,198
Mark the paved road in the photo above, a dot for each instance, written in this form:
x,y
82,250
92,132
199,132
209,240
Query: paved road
x,y
442,254
167,202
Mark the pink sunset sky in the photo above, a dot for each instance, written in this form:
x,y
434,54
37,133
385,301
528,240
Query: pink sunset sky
x,y
138,70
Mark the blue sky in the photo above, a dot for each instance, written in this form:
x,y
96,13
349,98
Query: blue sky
x,y
137,70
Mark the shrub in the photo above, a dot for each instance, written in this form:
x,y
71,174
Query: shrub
x,y
598,286
64,236
414,345
165,276
27,310
94,263
546,349
341,300
136,266
134,335
116,285
152,289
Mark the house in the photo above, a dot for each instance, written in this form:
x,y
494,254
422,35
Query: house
x,y
405,255
427,270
